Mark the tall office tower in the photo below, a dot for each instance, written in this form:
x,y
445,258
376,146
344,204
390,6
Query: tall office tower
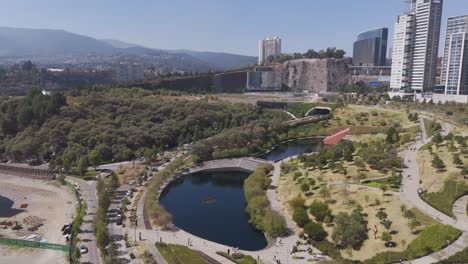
x,y
455,64
417,36
268,47
370,49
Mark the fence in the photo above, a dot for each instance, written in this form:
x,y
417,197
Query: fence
x,y
33,244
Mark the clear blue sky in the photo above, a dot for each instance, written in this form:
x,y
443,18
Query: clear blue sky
x,y
215,25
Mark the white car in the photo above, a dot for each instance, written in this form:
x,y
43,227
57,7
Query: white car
x,y
83,249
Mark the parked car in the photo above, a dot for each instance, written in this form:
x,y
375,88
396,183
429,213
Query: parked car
x,y
119,220
83,249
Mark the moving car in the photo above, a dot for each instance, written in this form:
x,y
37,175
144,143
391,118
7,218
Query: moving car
x,y
83,249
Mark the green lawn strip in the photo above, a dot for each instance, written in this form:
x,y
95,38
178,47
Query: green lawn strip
x,y
238,258
431,239
392,183
430,126
444,200
460,257
178,254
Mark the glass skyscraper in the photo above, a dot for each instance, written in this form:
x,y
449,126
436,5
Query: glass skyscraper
x,y
370,49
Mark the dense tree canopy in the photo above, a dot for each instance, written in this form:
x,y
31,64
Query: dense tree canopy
x,y
118,124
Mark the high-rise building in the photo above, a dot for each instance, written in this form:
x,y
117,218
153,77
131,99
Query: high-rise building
x,y
370,49
454,74
416,44
128,72
268,47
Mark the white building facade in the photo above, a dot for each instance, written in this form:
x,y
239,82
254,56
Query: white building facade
x,y
268,47
415,50
455,64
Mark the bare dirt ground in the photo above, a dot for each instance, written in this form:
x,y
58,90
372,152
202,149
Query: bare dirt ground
x,y
47,203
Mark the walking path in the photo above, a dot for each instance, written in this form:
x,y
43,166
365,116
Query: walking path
x,y
116,232
277,251
409,194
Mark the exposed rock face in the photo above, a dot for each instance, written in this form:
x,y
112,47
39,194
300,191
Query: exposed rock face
x,y
315,75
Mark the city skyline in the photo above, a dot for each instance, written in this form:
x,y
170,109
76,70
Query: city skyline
x,y
145,23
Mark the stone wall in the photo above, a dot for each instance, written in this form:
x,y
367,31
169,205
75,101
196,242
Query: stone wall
x,y
315,75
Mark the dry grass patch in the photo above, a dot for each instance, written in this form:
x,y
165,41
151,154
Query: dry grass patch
x,y
365,116
346,198
433,180
125,175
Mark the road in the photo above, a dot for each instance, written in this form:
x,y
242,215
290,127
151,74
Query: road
x,y
87,237
116,232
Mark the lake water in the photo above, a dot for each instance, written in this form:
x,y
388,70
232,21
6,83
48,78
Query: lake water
x,y
5,207
211,205
293,148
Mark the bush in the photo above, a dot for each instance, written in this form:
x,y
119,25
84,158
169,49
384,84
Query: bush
x,y
248,260
258,206
350,229
300,216
320,210
297,202
315,231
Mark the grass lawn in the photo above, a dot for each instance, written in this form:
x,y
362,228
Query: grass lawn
x,y
433,180
430,126
444,199
431,239
177,254
392,183
346,200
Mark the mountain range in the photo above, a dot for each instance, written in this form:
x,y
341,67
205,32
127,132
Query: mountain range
x,y
59,47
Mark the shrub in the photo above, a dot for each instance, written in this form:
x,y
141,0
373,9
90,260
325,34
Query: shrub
x,y
297,202
315,231
350,229
320,210
300,216
248,260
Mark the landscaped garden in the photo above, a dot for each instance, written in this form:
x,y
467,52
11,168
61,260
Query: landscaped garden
x,y
443,166
177,254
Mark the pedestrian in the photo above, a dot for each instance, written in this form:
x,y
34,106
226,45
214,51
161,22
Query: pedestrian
x,y
229,251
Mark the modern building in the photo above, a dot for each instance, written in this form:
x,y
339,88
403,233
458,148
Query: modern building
x,y
370,49
268,47
128,72
454,76
415,48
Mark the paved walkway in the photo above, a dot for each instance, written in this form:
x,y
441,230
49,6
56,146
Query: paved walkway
x,y
116,232
409,194
277,251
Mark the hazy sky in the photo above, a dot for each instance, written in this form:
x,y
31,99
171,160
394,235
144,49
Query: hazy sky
x,y
215,25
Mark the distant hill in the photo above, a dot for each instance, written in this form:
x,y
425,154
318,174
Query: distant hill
x,y
119,44
47,42
57,46
220,60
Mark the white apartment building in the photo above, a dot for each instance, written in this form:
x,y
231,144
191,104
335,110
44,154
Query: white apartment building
x,y
414,63
455,64
268,47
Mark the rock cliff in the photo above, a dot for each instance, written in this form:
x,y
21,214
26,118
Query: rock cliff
x,y
315,75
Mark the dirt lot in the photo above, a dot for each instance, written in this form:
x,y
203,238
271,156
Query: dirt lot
x,y
35,203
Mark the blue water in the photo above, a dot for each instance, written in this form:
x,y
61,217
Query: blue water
x,y
5,207
211,205
293,148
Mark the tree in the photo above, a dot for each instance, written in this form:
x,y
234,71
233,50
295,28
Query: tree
x,y
381,215
82,166
325,192
386,237
320,210
94,158
350,230
315,231
437,162
457,160
437,139
392,136
384,188
300,216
